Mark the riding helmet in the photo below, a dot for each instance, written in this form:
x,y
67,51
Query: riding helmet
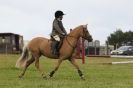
x,y
58,13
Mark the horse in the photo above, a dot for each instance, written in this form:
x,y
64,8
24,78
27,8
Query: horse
x,y
42,46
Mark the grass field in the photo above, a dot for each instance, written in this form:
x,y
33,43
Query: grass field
x,y
97,74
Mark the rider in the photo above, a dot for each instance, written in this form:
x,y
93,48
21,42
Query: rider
x,y
58,32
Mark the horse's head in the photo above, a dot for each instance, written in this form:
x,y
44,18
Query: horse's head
x,y
85,33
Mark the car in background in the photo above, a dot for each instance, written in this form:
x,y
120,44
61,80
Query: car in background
x,y
123,50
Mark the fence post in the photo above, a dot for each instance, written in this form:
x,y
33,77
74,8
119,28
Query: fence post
x,y
83,52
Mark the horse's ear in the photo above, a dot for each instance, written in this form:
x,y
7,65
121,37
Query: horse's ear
x,y
85,26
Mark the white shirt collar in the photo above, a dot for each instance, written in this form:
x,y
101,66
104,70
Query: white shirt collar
x,y
58,19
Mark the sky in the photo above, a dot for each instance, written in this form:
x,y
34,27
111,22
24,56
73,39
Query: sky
x,y
33,18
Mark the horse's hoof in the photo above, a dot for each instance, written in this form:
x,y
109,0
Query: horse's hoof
x,y
20,76
46,77
82,77
49,77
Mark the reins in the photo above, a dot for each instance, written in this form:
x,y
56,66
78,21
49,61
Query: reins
x,y
69,42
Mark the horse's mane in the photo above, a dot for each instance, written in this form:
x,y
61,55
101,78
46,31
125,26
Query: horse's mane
x,y
75,29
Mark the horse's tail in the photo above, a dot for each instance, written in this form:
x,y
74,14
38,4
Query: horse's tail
x,y
21,61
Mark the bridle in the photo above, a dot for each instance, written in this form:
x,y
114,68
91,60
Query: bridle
x,y
84,32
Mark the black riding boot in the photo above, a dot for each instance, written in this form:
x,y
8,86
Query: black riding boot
x,y
55,50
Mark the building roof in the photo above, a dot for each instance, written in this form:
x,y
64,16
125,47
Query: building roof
x,y
9,33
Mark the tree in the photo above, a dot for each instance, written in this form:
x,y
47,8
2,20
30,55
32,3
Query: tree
x,y
128,38
119,38
116,38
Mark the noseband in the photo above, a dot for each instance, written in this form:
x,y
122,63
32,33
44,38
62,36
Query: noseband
x,y
84,32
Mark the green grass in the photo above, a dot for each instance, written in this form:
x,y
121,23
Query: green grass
x,y
97,75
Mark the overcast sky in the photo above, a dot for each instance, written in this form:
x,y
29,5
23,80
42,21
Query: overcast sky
x,y
33,18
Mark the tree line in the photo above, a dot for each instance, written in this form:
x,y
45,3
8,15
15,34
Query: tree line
x,y
119,38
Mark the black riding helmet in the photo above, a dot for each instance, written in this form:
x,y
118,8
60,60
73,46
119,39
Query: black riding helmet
x,y
58,13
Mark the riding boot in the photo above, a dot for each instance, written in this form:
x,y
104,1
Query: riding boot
x,y
60,44
55,50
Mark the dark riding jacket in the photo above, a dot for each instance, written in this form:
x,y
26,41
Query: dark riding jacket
x,y
58,28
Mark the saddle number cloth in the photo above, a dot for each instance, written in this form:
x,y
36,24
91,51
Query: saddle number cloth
x,y
56,37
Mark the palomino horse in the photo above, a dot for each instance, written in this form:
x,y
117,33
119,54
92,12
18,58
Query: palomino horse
x,y
42,46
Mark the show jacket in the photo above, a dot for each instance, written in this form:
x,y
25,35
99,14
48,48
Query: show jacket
x,y
58,28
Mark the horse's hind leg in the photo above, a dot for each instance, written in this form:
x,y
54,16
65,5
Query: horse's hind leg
x,y
37,65
28,62
73,62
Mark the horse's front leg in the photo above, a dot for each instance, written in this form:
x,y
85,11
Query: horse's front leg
x,y
73,62
55,68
